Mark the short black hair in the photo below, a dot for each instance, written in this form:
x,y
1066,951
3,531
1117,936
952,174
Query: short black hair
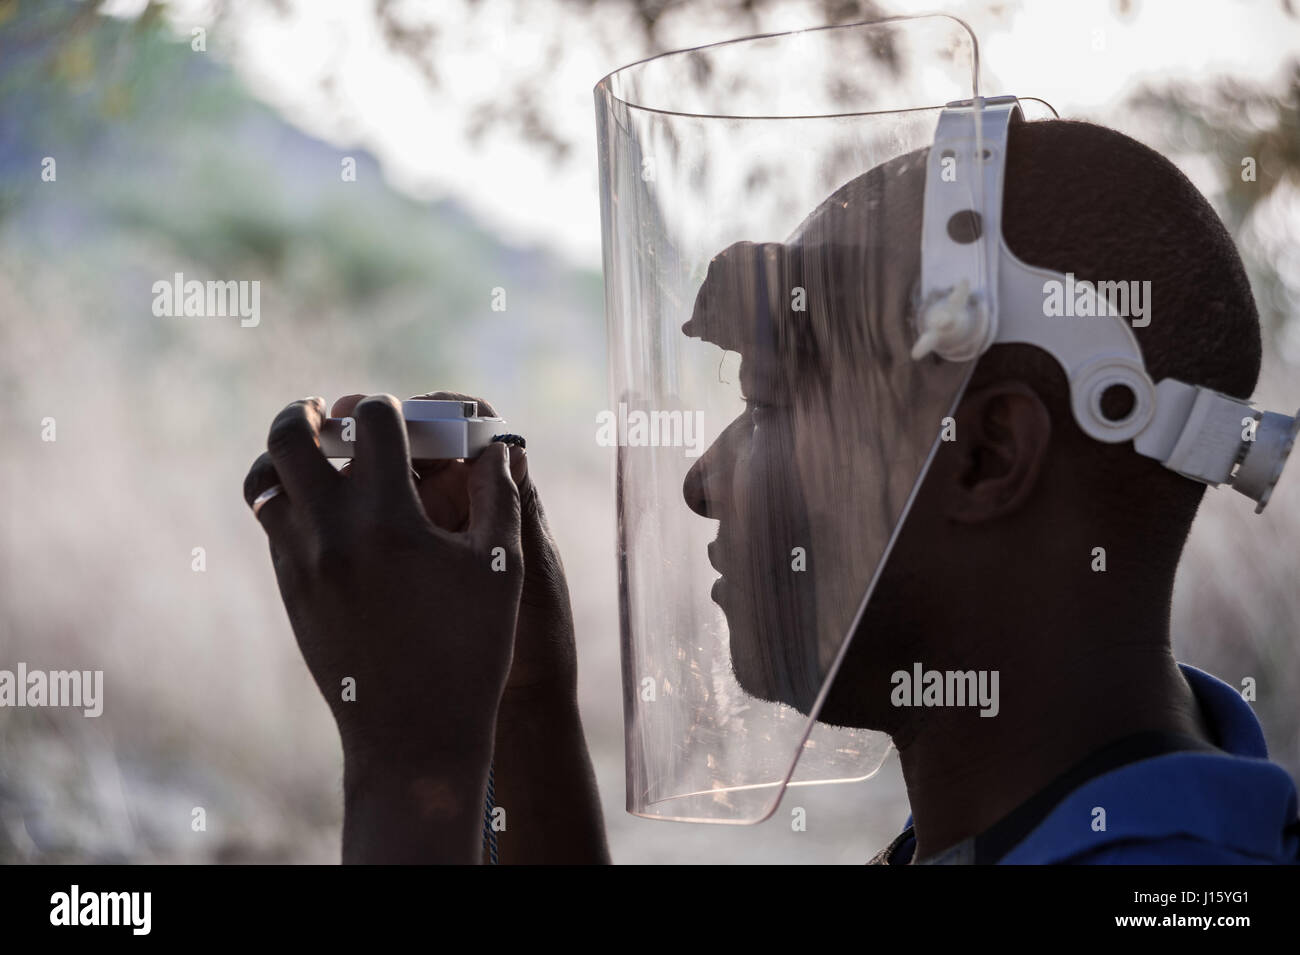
x,y
1088,200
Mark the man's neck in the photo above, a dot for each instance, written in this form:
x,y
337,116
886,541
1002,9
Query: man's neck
x,y
1068,688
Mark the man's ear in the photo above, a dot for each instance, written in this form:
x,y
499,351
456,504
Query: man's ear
x,y
1003,433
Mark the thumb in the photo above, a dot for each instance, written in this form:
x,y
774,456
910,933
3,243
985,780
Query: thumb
x,y
493,500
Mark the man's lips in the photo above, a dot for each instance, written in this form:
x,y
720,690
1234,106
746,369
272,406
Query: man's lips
x,y
714,558
721,557
716,591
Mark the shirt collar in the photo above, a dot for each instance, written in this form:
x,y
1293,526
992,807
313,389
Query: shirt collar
x,y
1233,798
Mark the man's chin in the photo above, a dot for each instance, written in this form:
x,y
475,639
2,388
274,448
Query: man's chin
x,y
760,685
765,676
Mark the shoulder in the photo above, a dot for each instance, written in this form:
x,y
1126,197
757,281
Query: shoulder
x,y
1189,808
1171,850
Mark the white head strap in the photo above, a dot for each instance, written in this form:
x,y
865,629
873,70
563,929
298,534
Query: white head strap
x,y
976,293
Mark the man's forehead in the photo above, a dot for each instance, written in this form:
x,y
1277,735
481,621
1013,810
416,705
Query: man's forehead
x,y
863,239
738,290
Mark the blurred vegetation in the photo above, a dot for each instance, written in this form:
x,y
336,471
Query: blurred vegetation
x,y
158,122
1229,122
166,164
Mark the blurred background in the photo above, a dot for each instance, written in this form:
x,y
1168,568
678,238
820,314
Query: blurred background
x,y
210,139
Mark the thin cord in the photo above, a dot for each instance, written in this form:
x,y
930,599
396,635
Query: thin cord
x,y
489,834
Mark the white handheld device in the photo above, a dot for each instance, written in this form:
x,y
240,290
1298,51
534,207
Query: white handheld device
x,y
437,430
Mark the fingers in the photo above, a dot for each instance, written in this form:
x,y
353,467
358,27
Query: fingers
x,y
540,554
344,407
530,506
445,495
544,583
534,534
518,466
294,446
383,455
493,499
262,476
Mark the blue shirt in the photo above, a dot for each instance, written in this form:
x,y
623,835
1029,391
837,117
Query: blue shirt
x,y
1225,806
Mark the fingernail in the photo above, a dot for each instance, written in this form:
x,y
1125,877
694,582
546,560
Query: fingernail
x,y
513,440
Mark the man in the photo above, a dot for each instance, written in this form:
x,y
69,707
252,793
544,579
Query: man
x,y
1103,748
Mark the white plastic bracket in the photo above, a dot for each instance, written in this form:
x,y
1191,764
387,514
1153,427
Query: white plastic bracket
x,y
975,292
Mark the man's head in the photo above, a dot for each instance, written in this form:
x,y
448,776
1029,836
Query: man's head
x,y
1019,500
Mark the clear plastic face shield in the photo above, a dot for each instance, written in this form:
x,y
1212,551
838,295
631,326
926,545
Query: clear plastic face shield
x,y
771,425
782,361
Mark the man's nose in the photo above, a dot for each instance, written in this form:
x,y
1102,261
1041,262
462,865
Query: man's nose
x,y
705,482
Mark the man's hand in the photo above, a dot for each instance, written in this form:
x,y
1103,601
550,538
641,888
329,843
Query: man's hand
x,y
544,778
406,626
545,656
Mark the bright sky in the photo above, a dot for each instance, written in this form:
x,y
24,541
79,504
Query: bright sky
x,y
1081,56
